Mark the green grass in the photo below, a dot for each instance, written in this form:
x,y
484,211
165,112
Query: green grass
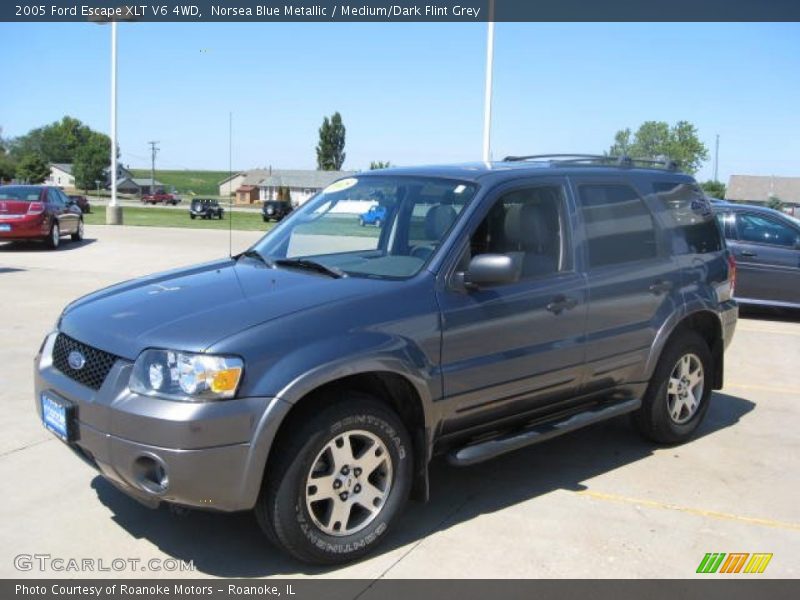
x,y
167,217
202,183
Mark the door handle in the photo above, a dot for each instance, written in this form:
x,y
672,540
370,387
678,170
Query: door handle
x,y
748,253
660,287
561,303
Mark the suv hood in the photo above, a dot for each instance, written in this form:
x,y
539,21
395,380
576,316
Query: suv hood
x,y
190,309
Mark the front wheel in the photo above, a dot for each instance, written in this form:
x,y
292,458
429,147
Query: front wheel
x,y
679,393
78,235
338,482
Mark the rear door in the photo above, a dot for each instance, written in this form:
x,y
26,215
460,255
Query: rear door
x,y
767,251
633,282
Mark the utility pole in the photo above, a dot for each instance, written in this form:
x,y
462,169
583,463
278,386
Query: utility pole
x,y
486,155
716,160
153,152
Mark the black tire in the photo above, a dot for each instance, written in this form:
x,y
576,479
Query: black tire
x,y
54,237
653,419
378,223
192,216
78,235
282,510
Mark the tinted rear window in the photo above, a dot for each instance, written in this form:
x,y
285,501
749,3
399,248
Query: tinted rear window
x,y
689,218
619,227
21,193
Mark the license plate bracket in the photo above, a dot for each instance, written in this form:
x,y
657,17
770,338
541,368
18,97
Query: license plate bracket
x,y
59,416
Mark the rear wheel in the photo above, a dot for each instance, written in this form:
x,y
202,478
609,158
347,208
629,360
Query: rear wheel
x,y
78,235
679,393
338,482
54,239
192,216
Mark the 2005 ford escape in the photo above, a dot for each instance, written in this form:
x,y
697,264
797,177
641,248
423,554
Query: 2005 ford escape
x,y
313,377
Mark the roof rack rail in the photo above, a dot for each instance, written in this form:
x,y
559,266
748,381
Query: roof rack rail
x,y
598,159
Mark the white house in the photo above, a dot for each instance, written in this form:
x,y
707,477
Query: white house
x,y
302,183
61,176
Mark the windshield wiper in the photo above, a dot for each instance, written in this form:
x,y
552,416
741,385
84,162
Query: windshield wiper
x,y
252,253
310,265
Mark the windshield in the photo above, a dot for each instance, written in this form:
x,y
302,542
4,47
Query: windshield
x,y
339,229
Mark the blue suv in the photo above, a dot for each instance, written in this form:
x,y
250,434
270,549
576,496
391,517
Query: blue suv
x,y
376,215
313,377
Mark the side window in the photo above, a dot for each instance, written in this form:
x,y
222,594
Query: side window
x,y
619,227
53,198
529,225
689,218
764,230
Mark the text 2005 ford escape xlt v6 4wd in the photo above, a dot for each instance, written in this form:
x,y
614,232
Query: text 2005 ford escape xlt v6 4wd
x,y
313,377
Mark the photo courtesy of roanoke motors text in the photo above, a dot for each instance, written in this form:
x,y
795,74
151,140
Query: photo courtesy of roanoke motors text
x,y
446,299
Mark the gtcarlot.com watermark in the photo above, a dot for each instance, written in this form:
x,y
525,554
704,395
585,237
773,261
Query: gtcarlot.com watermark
x,y
48,563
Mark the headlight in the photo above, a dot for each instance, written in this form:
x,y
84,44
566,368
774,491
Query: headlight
x,y
186,376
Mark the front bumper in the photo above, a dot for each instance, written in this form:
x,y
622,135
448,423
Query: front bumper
x,y
211,454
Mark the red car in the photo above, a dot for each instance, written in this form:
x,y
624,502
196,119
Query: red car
x,y
38,212
160,199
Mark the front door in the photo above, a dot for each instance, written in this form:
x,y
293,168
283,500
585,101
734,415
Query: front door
x,y
767,252
510,350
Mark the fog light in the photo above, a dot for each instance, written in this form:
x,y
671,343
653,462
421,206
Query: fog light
x,y
151,474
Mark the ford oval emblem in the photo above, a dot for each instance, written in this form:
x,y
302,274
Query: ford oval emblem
x,y
76,360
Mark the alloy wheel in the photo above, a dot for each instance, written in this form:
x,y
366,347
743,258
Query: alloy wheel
x,y
348,483
685,388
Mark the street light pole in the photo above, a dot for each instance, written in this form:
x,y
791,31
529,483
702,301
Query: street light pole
x,y
487,99
113,210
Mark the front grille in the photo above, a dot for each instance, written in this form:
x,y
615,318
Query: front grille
x,y
94,371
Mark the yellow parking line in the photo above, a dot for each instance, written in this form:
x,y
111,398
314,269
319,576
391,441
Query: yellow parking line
x,y
712,514
763,388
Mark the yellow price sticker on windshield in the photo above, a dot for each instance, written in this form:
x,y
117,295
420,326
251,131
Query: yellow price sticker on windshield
x,y
342,184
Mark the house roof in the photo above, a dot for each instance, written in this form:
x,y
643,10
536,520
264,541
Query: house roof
x,y
64,167
304,178
759,188
138,181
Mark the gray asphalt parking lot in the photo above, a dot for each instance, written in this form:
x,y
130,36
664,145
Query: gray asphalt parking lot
x,y
598,503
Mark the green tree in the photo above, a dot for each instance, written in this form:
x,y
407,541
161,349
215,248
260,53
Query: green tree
x,y
7,166
32,168
656,139
91,161
57,142
379,164
330,149
715,189
774,203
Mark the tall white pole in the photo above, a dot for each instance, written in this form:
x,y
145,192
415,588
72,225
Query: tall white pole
x,y
487,99
113,114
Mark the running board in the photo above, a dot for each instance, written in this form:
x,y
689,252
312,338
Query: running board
x,y
469,455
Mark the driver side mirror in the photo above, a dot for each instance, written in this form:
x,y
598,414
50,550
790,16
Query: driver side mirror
x,y
486,270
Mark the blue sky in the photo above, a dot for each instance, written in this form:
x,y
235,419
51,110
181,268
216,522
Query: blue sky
x,y
409,93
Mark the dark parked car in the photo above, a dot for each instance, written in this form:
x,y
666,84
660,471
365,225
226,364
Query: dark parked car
x,y
82,202
313,377
205,209
766,244
275,210
38,212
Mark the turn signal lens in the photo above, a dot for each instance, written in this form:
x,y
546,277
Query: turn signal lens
x,y
226,381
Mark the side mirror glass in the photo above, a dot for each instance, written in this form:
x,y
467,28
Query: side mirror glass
x,y
491,269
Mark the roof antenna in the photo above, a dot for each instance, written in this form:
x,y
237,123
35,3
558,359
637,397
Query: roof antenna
x,y
230,184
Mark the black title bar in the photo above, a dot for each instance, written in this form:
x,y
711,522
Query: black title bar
x,y
463,11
